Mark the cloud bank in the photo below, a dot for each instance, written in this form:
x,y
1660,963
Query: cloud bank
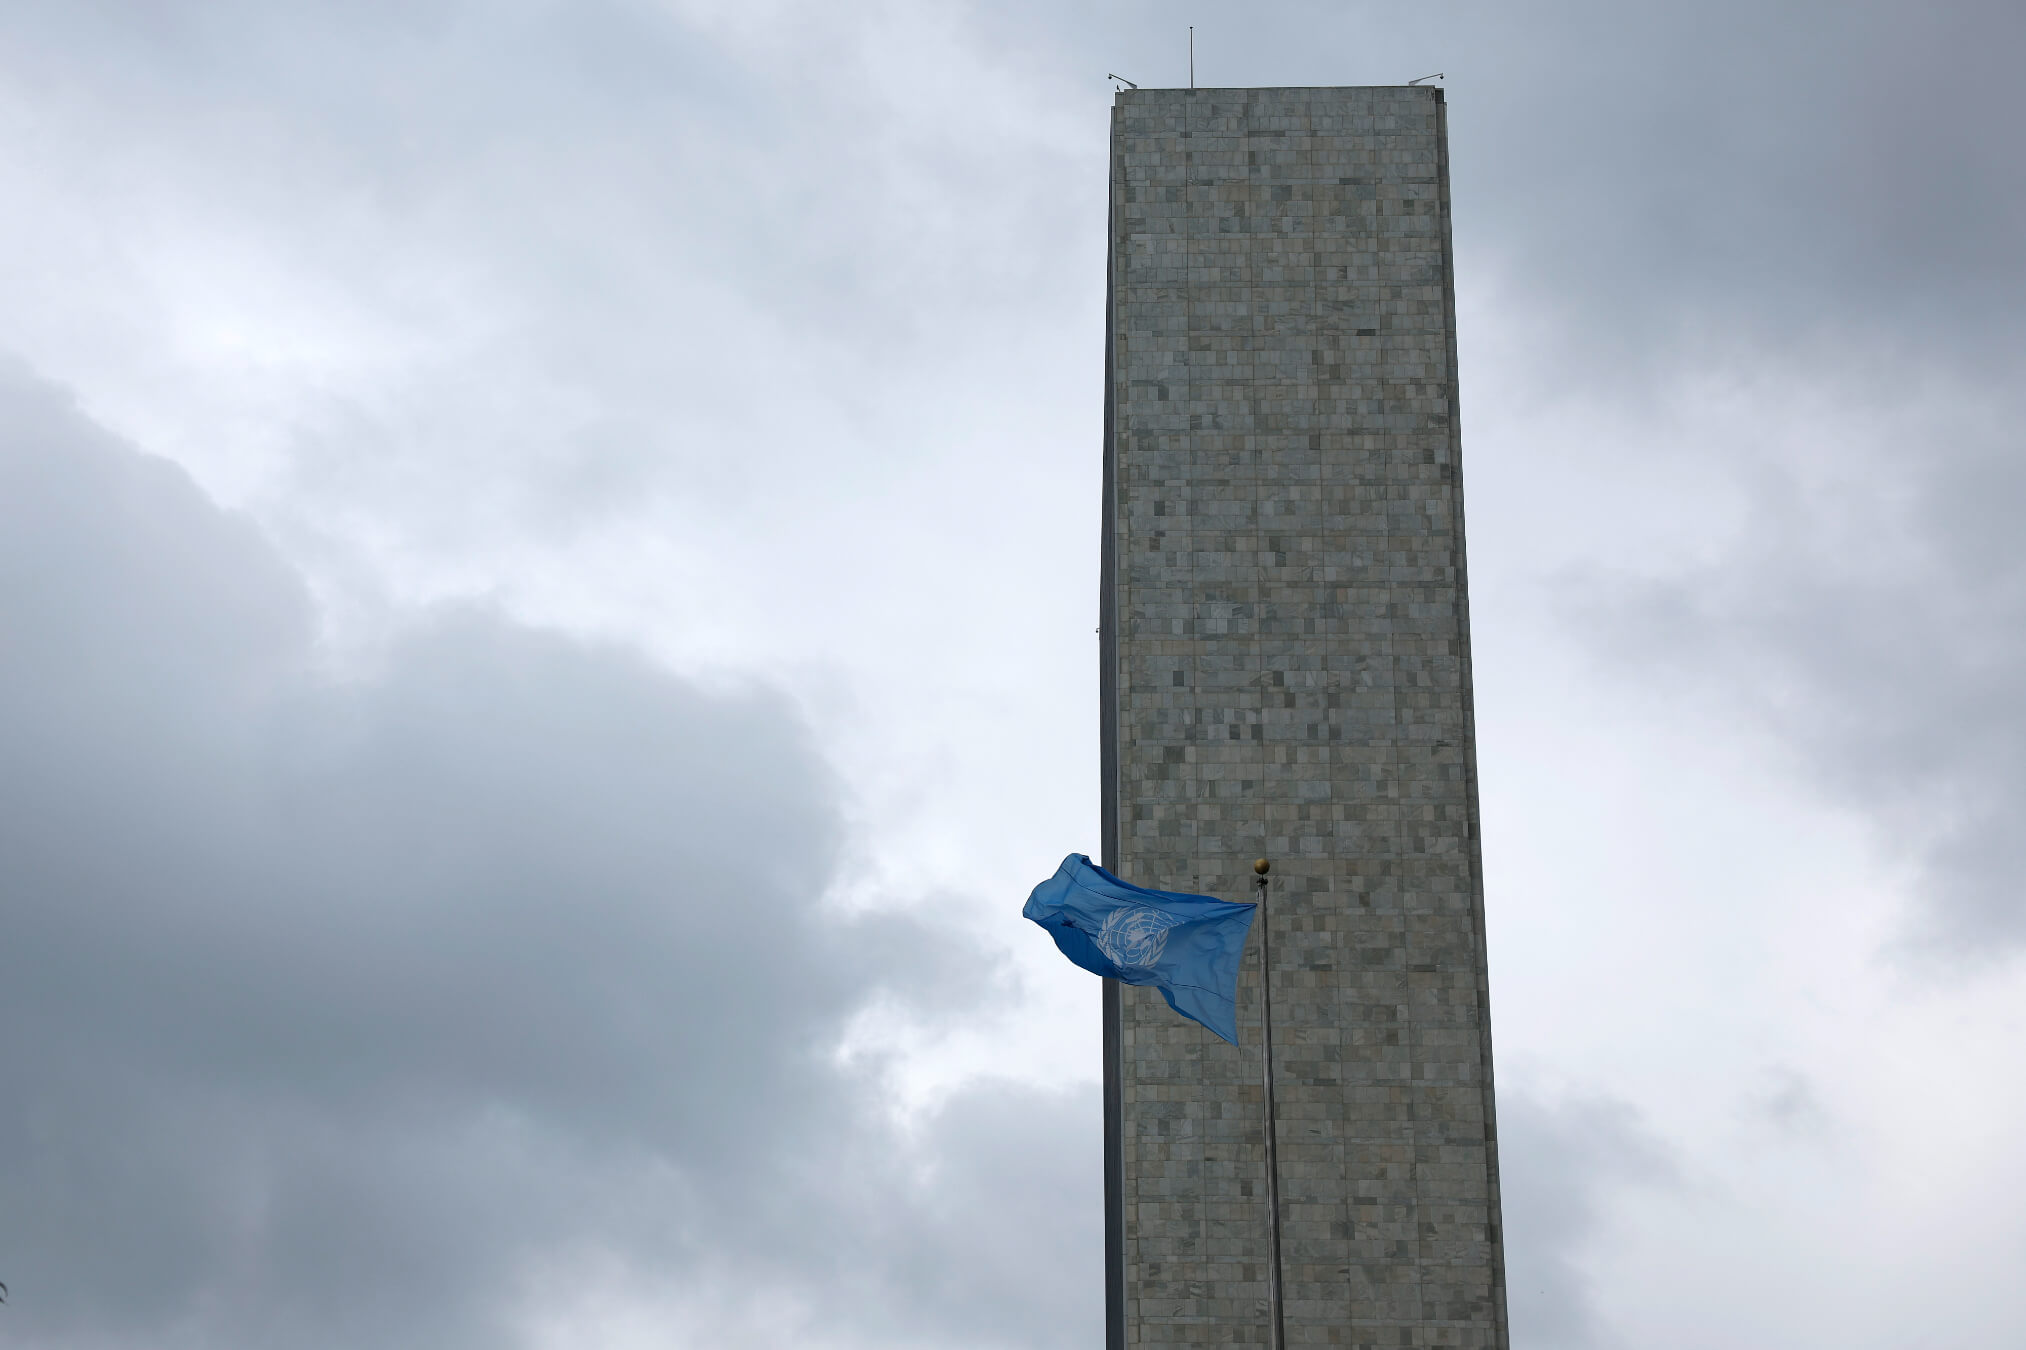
x,y
463,1002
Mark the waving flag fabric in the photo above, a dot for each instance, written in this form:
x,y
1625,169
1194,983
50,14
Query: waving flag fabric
x,y
1186,946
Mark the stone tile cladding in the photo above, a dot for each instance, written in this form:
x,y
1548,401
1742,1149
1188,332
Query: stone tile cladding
x,y
1293,681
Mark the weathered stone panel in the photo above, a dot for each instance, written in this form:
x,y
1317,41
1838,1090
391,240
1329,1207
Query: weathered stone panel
x,y
1287,643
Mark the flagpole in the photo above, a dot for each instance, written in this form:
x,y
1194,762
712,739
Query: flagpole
x,y
1274,1291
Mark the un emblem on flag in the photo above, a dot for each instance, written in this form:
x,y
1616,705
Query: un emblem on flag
x,y
1134,936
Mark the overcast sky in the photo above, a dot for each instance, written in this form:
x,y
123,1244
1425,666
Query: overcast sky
x,y
547,576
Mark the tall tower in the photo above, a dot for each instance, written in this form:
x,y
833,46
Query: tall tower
x,y
1286,673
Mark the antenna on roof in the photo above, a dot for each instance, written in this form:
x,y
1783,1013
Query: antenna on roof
x,y
1192,56
1122,80
1424,79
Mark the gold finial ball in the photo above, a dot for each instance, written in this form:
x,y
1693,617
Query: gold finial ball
x,y
1262,867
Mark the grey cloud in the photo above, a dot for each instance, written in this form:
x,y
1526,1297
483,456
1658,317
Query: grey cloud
x,y
1560,1163
1817,209
625,249
334,1010
1789,1102
1685,176
1878,632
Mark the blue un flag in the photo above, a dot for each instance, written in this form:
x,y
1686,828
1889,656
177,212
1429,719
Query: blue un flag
x,y
1186,946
